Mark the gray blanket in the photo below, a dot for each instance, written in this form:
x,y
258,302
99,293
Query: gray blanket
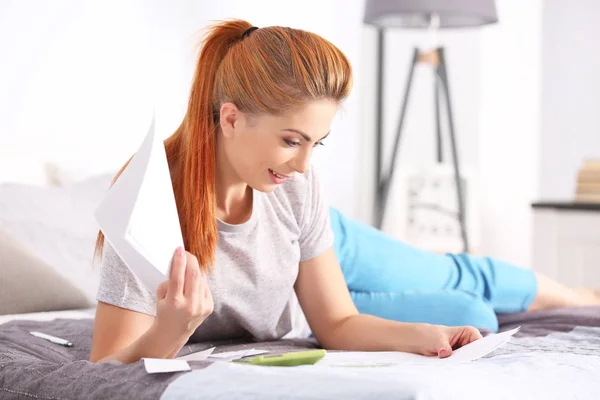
x,y
33,367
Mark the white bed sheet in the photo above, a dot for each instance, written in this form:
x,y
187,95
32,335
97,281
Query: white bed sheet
x,y
50,315
561,365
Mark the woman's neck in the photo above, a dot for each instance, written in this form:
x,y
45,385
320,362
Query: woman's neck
x,y
234,197
233,206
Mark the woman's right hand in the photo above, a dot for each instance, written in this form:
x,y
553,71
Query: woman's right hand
x,y
440,340
183,302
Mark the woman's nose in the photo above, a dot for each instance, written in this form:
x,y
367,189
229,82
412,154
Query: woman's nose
x,y
302,162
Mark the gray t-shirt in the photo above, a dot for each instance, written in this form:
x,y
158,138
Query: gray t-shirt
x,y
256,265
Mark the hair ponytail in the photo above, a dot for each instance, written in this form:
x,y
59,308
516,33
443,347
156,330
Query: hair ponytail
x,y
194,145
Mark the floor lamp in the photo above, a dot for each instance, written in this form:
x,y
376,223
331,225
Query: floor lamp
x,y
431,15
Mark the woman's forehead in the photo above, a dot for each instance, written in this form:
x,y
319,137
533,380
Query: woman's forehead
x,y
312,118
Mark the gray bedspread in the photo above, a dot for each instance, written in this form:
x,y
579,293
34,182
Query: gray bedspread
x,y
31,367
556,353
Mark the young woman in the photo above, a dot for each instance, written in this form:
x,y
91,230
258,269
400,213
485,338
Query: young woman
x,y
255,225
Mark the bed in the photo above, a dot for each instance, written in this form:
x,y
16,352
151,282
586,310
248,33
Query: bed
x,y
556,354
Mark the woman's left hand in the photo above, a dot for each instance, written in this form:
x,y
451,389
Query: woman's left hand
x,y
439,340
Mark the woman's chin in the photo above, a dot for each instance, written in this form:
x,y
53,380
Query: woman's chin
x,y
267,185
264,187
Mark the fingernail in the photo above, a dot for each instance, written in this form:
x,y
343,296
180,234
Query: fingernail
x,y
441,352
180,251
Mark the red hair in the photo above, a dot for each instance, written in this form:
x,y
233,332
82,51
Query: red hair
x,y
270,71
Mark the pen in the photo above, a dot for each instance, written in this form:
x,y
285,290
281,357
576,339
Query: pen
x,y
53,339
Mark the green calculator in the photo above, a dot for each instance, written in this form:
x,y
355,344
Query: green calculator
x,y
309,357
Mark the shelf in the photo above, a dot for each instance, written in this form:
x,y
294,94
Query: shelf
x,y
567,205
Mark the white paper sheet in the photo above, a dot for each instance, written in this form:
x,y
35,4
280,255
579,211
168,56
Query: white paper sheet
x,y
198,356
255,352
160,365
470,352
236,355
138,216
482,347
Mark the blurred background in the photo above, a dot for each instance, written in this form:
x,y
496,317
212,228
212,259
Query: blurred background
x,y
79,81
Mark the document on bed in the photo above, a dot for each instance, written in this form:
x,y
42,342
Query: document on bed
x,y
236,355
139,216
197,356
470,352
161,365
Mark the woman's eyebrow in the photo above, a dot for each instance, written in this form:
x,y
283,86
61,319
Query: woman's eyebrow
x,y
304,135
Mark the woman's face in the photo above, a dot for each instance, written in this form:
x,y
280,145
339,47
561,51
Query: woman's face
x,y
264,151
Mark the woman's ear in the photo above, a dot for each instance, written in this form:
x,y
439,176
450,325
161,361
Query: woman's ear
x,y
229,117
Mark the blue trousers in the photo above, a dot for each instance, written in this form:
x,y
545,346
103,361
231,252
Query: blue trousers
x,y
393,280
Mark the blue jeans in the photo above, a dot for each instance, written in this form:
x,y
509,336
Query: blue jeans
x,y
393,280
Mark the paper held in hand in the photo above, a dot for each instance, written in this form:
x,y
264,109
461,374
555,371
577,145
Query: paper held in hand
x,y
139,216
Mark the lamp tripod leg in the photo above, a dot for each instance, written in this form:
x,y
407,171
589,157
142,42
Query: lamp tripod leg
x,y
438,127
385,183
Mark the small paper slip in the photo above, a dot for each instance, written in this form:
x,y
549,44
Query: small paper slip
x,y
254,352
481,347
139,216
160,365
236,355
470,352
198,356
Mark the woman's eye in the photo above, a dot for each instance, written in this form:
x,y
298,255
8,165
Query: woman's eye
x,y
291,143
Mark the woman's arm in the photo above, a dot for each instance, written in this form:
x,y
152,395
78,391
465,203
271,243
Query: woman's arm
x,y
182,303
127,336
336,323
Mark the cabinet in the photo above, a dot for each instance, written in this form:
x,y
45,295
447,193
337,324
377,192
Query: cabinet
x,y
566,242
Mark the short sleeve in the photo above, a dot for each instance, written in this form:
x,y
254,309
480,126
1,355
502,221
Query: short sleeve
x,y
316,235
120,287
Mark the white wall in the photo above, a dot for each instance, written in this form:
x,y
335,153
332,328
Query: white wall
x,y
571,94
79,79
509,123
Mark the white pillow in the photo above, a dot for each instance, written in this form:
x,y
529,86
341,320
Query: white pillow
x,y
58,224
28,284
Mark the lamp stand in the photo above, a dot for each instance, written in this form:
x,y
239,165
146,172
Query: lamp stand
x,y
436,59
